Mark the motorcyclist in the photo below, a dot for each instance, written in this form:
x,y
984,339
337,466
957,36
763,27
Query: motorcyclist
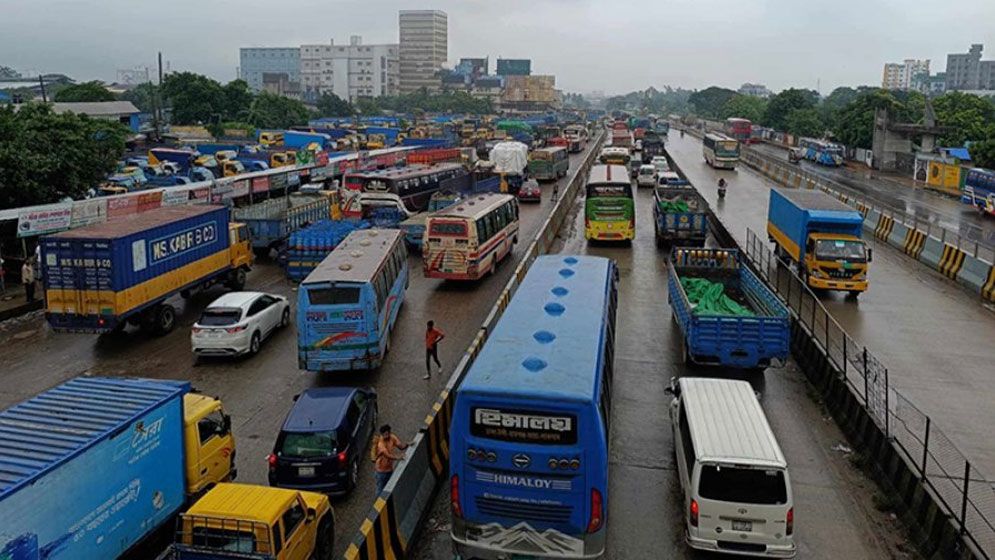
x,y
682,133
722,183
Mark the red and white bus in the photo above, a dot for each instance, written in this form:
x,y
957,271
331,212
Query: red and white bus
x,y
740,129
468,240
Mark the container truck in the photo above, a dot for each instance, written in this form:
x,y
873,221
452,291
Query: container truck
x,y
653,145
296,140
821,236
272,221
96,465
100,277
680,216
727,315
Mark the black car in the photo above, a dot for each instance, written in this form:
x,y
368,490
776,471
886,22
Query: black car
x,y
323,440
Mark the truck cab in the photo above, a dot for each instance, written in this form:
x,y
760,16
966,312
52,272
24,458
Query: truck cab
x,y
836,262
252,522
208,443
282,159
240,243
230,168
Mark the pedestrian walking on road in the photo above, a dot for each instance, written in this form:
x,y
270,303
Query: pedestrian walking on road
x,y
556,191
387,455
28,279
433,337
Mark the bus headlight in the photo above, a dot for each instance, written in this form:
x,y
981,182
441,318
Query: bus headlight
x,y
575,464
552,464
471,454
491,456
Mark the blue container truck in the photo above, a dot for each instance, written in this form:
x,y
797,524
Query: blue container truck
x,y
302,140
680,216
272,221
98,278
92,467
755,338
821,236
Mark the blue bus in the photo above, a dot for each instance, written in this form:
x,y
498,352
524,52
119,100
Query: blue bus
x,y
822,152
979,190
529,436
348,305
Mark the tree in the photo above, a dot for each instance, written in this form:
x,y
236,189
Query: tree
x,y
275,111
368,107
8,73
983,153
805,122
195,99
709,102
970,115
141,96
87,91
45,156
744,107
238,98
855,122
780,105
331,105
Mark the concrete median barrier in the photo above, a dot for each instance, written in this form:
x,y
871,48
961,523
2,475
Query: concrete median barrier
x,y
925,248
897,235
951,261
976,275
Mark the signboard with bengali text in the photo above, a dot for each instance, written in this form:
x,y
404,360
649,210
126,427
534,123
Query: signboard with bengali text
x,y
47,220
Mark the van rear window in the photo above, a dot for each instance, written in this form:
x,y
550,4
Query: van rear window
x,y
336,295
745,486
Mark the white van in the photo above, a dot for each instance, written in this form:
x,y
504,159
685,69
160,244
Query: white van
x,y
737,493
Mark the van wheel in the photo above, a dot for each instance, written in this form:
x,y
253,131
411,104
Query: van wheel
x,y
254,344
237,280
324,540
165,319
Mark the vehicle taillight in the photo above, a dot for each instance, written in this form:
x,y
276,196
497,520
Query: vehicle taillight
x,y
597,511
789,522
343,458
454,496
101,322
271,459
693,514
233,330
196,330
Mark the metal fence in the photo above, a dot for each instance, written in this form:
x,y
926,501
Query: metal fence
x,y
965,493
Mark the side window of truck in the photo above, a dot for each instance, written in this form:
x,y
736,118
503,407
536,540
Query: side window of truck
x,y
277,539
291,519
210,426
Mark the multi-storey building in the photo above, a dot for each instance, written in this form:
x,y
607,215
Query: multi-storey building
x,y
905,75
349,71
966,71
424,48
256,61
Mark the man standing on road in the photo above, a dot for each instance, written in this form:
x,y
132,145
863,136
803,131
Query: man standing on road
x,y
28,279
432,338
556,191
387,455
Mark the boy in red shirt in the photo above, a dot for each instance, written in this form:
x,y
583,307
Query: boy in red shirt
x,y
432,338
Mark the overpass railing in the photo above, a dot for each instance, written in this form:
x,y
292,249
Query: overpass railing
x,y
392,525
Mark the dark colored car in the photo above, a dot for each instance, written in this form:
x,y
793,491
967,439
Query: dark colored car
x,y
530,192
323,440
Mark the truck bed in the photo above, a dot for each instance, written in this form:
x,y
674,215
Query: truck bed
x,y
730,341
271,221
688,227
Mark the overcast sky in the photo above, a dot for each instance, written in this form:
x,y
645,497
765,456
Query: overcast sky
x,y
607,45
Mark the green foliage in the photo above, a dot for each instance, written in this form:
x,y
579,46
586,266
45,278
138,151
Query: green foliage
x,y
45,156
972,117
238,99
8,73
87,91
744,107
710,101
782,104
275,111
855,122
446,102
331,105
368,107
141,96
983,153
575,101
195,99
653,100
805,122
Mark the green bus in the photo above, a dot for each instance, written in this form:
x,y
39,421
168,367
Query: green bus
x,y
549,164
609,208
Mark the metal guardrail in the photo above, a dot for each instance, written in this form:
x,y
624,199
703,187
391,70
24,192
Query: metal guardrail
x,y
965,493
392,524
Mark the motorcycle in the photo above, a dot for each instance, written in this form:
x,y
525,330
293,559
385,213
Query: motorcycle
x,y
722,188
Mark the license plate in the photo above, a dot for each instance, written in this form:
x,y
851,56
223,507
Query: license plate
x,y
745,526
305,471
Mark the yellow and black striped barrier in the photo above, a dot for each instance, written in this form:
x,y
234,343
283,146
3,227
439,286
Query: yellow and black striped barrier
x,y
382,538
883,229
951,261
988,290
914,242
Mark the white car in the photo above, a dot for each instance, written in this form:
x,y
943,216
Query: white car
x,y
646,176
639,145
238,322
660,163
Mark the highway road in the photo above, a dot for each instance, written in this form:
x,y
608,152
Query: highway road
x,y
933,335
259,391
835,515
928,205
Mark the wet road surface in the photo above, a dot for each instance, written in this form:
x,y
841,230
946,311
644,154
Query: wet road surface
x,y
259,391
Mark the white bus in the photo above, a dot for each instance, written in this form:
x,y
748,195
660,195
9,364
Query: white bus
x,y
721,151
468,240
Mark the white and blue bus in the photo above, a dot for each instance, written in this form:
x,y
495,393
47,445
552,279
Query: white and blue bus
x,y
979,190
529,437
347,306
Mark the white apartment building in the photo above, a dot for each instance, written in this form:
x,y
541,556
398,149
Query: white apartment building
x,y
424,43
903,75
350,71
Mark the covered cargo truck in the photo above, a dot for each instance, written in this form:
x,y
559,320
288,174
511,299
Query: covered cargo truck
x,y
98,278
272,221
94,466
727,315
822,236
680,216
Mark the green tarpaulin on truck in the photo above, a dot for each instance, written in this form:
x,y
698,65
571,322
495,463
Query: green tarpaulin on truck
x,y
709,298
673,206
514,126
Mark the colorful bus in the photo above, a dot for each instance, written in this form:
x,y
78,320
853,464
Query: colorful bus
x,y
578,136
347,306
979,190
721,152
415,184
468,240
548,164
613,155
740,129
821,152
528,461
609,207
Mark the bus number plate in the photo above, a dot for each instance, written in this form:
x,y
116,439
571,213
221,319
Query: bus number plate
x,y
745,526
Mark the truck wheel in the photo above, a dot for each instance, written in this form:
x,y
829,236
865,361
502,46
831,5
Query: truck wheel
x,y
854,294
324,540
185,294
237,280
165,319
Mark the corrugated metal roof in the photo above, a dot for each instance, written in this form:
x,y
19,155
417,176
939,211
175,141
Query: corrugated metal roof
x,y
727,423
962,154
127,225
41,433
97,108
357,258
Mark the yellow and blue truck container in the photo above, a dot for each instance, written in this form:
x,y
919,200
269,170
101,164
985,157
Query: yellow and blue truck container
x,y
100,277
91,468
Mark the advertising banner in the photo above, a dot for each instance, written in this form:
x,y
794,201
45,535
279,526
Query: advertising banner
x,y
51,219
